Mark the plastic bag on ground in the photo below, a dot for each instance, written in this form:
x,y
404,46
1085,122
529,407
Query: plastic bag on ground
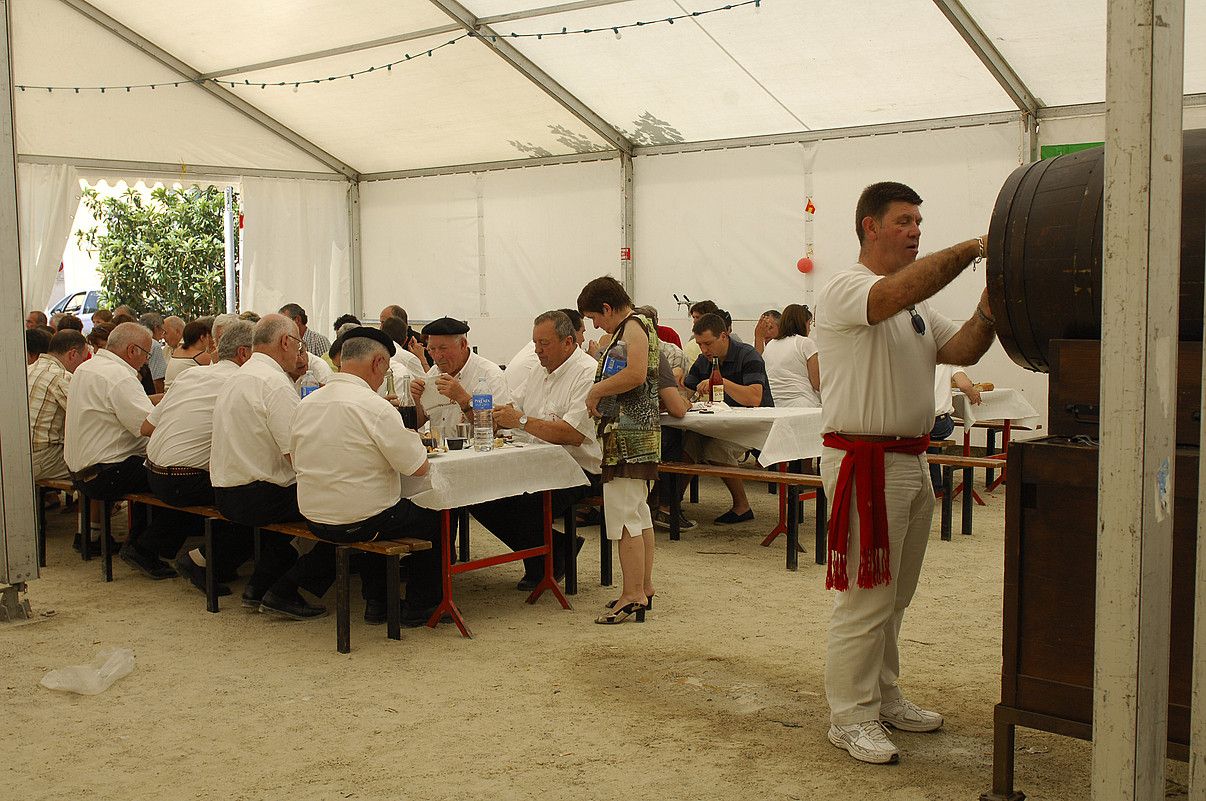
x,y
109,665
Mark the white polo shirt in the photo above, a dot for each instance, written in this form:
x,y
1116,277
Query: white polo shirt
x,y
106,406
251,426
184,419
561,395
408,361
875,379
349,447
443,411
787,371
522,365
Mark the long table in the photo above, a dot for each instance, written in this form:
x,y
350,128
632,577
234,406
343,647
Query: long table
x,y
462,478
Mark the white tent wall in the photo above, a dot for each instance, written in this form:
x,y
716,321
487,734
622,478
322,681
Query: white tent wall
x,y
48,196
492,248
296,248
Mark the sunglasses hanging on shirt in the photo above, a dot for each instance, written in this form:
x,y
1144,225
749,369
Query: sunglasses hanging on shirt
x,y
918,323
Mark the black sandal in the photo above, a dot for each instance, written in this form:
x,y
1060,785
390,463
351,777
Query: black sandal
x,y
648,603
622,614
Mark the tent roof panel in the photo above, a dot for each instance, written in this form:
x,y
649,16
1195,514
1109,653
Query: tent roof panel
x,y
462,104
180,125
212,36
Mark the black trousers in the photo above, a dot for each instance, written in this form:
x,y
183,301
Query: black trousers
x,y
196,490
519,522
423,586
944,426
672,451
258,504
113,481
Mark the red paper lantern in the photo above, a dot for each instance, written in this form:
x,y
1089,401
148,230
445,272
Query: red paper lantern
x,y
804,265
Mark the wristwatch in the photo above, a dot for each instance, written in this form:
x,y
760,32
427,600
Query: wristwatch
x,y
523,422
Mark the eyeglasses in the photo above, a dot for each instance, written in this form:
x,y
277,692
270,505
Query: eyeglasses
x,y
141,348
918,323
301,345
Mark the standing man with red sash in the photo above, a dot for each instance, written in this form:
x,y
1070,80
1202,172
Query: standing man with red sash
x,y
880,342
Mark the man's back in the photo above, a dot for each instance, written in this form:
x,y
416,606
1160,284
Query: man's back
x,y
184,419
48,380
105,409
251,426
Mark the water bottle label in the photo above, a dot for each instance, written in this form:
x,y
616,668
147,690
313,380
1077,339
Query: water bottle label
x,y
483,402
306,390
613,365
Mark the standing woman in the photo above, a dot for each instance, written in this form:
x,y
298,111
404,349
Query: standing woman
x,y
631,440
791,361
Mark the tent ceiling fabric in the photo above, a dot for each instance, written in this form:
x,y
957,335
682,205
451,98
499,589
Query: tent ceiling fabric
x,y
789,66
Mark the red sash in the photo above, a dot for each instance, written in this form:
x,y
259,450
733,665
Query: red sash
x,y
863,470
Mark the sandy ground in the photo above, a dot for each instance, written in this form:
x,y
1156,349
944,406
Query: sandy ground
x,y
718,696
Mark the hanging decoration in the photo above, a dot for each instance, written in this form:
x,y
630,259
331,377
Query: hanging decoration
x,y
804,265
297,83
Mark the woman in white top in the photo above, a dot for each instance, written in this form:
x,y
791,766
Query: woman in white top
x,y
791,361
192,351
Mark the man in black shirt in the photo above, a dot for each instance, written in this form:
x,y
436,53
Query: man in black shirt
x,y
745,384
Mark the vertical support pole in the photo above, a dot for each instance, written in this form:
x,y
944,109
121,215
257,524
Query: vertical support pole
x,y
479,184
1141,266
228,234
356,278
626,224
18,540
1197,706
1030,137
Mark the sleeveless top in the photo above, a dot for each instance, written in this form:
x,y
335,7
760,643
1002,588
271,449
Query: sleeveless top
x,y
632,442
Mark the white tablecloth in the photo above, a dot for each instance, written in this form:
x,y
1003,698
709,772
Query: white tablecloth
x,y
996,404
781,434
461,478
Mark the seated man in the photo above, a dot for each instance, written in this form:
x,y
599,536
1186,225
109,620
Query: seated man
x,y
524,362
315,342
37,342
413,346
252,475
549,407
397,328
173,332
104,446
34,319
181,432
745,384
445,395
349,448
48,379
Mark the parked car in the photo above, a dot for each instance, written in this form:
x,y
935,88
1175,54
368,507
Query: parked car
x,y
81,304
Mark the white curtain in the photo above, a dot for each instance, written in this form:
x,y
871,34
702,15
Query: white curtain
x,y
296,248
48,196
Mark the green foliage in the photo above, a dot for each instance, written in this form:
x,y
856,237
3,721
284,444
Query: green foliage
x,y
165,254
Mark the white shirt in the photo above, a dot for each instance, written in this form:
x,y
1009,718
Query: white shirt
x,y
943,399
522,365
175,367
408,361
184,419
561,395
251,426
787,371
441,410
349,447
105,409
877,378
317,368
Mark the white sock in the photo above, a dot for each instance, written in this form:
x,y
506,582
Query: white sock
x,y
198,559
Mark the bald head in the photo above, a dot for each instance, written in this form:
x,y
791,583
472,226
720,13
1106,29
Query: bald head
x,y
277,337
131,343
273,327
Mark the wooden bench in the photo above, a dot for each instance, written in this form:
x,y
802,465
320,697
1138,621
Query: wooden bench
x,y
44,487
791,481
949,464
392,550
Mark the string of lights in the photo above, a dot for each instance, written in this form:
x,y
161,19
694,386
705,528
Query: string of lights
x,y
388,67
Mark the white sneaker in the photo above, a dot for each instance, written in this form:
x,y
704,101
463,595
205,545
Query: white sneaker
x,y
867,741
905,715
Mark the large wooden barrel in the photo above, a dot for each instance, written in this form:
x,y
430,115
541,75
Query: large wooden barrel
x,y
1045,251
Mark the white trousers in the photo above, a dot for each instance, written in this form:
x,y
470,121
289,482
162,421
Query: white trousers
x,y
863,661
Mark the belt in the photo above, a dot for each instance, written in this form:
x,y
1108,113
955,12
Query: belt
x,y
175,471
872,437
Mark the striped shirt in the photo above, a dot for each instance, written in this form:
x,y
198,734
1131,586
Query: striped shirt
x,y
48,380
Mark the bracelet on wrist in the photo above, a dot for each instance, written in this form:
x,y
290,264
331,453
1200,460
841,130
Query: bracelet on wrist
x,y
987,320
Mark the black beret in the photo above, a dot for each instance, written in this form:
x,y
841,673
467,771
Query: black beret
x,y
370,333
445,326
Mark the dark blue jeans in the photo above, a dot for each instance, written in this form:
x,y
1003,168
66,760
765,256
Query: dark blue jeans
x,y
944,426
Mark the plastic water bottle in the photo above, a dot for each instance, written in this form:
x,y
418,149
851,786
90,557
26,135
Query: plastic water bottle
x,y
615,360
483,416
308,384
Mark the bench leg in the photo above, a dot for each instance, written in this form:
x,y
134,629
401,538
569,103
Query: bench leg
x,y
1002,763
948,489
256,539
462,524
822,544
343,580
211,575
85,532
106,537
694,489
676,505
793,528
990,448
604,554
571,555
42,527
968,497
393,600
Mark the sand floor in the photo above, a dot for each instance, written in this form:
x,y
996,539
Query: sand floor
x,y
718,696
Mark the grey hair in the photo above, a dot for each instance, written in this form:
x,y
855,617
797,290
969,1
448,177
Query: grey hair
x,y
647,311
174,322
220,323
361,348
562,324
238,334
125,335
343,329
151,320
272,328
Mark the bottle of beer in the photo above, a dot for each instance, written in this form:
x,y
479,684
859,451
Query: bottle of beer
x,y
715,383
